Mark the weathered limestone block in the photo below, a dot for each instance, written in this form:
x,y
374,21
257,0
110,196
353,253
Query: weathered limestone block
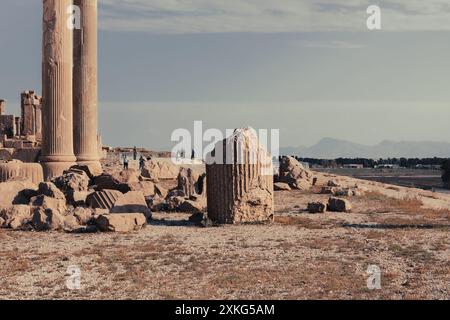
x,y
72,181
122,181
189,206
12,192
84,215
78,198
131,202
240,180
146,187
293,173
31,108
71,223
91,170
159,169
46,202
104,199
187,180
51,190
281,186
339,205
47,219
16,217
126,222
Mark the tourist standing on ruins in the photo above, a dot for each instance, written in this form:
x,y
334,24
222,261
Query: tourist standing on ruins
x,y
125,162
141,163
135,153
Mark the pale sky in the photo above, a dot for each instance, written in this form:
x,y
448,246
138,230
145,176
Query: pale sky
x,y
309,68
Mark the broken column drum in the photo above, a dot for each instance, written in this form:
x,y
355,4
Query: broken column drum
x,y
239,177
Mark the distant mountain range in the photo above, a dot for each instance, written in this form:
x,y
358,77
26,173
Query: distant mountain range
x,y
329,148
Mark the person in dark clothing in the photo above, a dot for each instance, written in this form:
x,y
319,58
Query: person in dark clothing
x,y
134,153
141,163
125,162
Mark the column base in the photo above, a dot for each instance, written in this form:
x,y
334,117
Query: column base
x,y
55,169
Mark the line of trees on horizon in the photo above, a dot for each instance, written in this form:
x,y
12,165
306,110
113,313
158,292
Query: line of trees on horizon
x,y
438,163
372,163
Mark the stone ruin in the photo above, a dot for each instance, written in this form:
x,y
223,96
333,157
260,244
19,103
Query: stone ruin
x,y
239,180
31,121
7,123
59,129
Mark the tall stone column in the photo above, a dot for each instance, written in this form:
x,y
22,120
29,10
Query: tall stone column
x,y
57,128
85,87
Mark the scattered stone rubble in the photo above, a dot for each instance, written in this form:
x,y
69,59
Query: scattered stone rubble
x,y
85,200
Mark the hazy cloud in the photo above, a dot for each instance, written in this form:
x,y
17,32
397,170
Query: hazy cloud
x,y
269,16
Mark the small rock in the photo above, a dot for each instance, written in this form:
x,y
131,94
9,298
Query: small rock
x,y
281,186
339,205
341,192
317,207
332,183
326,190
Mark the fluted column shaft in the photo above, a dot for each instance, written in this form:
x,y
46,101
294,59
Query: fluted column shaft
x,y
57,129
85,85
240,189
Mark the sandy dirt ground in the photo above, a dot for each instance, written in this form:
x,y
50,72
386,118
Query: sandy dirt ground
x,y
300,256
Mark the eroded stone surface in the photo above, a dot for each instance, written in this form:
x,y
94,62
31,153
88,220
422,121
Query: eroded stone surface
x,y
131,202
125,222
339,205
294,174
240,189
